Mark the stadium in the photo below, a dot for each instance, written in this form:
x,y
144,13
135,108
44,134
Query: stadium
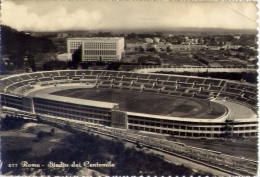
x,y
182,106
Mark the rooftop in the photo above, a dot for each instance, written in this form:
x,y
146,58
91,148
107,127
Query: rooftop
x,y
97,38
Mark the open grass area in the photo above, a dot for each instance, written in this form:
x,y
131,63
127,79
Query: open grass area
x,y
143,102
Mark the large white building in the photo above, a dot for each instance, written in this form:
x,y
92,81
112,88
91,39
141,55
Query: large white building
x,y
97,49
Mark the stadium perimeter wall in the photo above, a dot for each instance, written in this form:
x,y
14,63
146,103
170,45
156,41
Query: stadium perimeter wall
x,y
109,115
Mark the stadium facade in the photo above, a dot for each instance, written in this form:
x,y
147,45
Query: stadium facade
x,y
25,92
97,49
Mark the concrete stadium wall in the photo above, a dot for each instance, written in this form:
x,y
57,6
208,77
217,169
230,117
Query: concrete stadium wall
x,y
188,69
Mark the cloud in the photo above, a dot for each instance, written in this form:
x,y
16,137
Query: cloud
x,y
58,18
97,15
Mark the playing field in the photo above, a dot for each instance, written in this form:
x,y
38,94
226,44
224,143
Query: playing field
x,y
149,103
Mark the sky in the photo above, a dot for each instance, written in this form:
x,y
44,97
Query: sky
x,y
126,15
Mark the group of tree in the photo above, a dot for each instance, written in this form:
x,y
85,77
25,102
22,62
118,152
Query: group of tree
x,y
18,44
143,35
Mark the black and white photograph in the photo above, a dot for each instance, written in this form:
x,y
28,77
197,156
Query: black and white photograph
x,y
129,88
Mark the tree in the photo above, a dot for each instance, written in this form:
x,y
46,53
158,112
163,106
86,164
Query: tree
x,y
153,49
53,131
169,49
40,135
141,49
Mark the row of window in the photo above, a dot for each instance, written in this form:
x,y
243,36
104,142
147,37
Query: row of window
x,y
71,114
65,108
181,122
100,46
11,101
72,50
103,122
99,52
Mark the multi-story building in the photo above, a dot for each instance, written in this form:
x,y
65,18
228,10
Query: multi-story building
x,y
97,49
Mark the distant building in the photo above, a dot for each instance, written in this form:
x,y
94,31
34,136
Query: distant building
x,y
237,37
148,40
213,47
62,35
156,40
97,49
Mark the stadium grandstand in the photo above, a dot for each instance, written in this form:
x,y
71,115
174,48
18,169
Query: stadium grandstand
x,y
183,106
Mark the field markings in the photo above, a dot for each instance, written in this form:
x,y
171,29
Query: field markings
x,y
158,104
176,106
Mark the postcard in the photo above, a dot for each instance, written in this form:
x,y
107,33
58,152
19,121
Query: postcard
x,y
129,88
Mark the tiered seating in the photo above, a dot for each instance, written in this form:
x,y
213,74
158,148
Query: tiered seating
x,y
233,91
212,81
170,88
89,82
38,75
141,76
252,102
126,84
95,73
175,93
241,99
28,81
125,74
222,83
178,78
204,92
67,72
127,79
252,89
10,89
136,89
60,78
249,94
44,84
197,86
136,84
111,73
227,95
150,90
45,79
187,94
195,80
17,85
166,92
159,77
232,85
24,89
104,78
6,82
200,96
144,81
125,88
103,86
90,77
181,89
215,88
64,82
49,74
185,85
25,77
115,86
166,83
75,82
157,87
242,87
106,82
148,86
14,79
157,82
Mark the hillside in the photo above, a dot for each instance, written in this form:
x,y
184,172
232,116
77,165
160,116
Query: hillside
x,y
19,44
